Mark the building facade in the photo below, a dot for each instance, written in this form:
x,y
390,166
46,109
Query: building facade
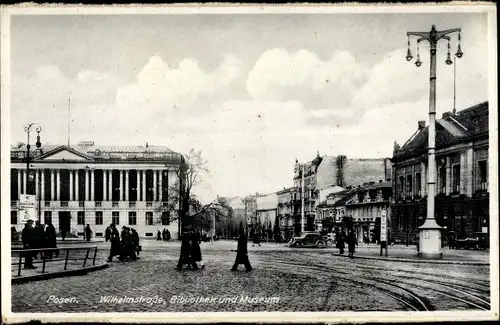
x,y
285,212
462,182
98,185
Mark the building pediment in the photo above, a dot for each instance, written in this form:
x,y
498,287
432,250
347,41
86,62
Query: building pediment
x,y
64,153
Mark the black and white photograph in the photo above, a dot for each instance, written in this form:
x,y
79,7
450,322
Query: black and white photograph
x,y
296,162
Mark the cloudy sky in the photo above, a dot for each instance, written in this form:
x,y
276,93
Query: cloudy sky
x,y
253,92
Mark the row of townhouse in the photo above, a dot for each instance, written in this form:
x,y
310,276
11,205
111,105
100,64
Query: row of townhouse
x,y
352,193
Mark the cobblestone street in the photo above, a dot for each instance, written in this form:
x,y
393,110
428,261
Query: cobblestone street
x,y
302,279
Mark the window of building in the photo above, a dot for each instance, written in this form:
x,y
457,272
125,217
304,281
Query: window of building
x,y
13,217
98,204
132,218
80,220
482,170
442,180
47,203
149,218
165,218
456,178
98,218
81,204
131,204
115,217
409,185
47,217
401,186
114,204
64,204
418,184
149,204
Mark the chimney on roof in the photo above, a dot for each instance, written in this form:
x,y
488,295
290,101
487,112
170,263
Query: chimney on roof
x,y
447,114
421,125
146,144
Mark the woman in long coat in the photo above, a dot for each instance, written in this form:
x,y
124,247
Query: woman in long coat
x,y
195,248
242,253
115,243
51,241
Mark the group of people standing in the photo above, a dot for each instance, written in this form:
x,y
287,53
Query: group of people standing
x,y
163,235
350,240
191,251
125,245
38,237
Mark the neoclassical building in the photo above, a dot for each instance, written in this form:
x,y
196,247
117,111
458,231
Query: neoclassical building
x,y
85,184
462,182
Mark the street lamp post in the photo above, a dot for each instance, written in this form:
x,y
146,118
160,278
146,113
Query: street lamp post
x,y
38,144
430,231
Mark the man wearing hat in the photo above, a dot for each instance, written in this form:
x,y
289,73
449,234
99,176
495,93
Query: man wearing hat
x,y
28,235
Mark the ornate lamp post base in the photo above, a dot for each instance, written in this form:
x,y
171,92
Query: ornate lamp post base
x,y
430,240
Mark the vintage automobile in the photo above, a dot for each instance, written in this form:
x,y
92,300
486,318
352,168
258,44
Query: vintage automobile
x,y
309,240
478,241
329,239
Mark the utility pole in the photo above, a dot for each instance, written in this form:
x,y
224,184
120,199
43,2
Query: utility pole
x,y
430,231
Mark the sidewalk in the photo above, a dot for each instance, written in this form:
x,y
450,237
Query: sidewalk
x,y
402,253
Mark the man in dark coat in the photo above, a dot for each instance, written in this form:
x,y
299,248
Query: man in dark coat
x,y
135,240
51,241
39,239
351,243
242,253
186,256
167,235
108,233
115,242
196,250
340,242
28,237
158,235
88,232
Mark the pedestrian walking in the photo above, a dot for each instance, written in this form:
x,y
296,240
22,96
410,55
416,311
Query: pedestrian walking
x,y
115,242
127,247
417,240
51,241
28,237
242,253
196,249
107,233
164,234
38,241
158,235
186,253
167,234
88,232
341,242
352,242
135,238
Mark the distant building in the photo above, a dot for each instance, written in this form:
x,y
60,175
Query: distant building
x,y
285,212
267,210
331,174
462,187
98,185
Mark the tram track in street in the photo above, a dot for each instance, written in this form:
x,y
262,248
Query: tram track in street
x,y
464,297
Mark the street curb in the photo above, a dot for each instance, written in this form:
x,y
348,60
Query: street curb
x,y
410,260
62,274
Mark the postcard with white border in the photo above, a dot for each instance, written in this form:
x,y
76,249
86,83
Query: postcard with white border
x,y
221,163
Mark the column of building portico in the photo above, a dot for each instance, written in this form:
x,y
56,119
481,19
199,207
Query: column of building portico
x,y
121,185
71,184
127,184
160,186
462,172
154,184
104,185
448,176
43,184
110,185
92,185
469,172
77,185
25,177
86,179
58,182
52,185
143,177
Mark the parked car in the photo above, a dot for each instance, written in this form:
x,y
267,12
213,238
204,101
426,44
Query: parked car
x,y
479,241
329,239
309,240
